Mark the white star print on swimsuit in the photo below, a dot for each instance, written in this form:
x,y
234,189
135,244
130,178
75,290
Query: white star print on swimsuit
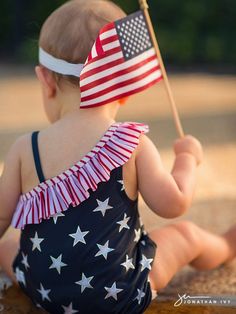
x,y
25,261
57,263
140,295
69,309
104,250
93,257
145,262
102,207
44,293
78,236
20,276
123,223
85,282
112,291
56,216
36,242
137,234
128,263
122,184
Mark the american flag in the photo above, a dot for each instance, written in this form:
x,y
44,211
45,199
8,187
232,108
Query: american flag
x,y
122,62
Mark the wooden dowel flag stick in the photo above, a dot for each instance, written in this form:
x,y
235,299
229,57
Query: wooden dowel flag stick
x,y
144,6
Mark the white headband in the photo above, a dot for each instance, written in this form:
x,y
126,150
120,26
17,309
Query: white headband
x,y
58,65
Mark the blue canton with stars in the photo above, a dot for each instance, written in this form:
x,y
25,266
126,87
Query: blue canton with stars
x,y
134,35
94,258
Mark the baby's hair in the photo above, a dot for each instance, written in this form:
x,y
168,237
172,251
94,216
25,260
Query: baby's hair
x,y
70,31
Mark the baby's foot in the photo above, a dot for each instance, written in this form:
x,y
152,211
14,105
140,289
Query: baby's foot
x,y
230,237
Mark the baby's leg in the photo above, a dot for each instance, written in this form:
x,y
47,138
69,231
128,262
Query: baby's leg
x,y
9,245
183,243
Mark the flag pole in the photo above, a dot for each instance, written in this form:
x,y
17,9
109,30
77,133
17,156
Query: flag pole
x,y
144,6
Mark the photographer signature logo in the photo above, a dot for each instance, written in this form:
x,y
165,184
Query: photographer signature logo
x,y
183,298
204,300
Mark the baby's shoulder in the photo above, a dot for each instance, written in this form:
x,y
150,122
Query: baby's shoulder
x,y
23,139
18,148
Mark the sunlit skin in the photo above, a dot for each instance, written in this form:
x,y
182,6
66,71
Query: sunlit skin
x,y
71,134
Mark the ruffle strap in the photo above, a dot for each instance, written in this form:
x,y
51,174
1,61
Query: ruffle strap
x,y
73,186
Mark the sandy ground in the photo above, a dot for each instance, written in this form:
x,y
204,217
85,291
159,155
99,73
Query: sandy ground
x,y
207,106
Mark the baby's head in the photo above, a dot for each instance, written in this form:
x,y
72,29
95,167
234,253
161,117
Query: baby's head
x,y
69,34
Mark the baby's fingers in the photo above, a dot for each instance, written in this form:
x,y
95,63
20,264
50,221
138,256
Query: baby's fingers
x,y
191,145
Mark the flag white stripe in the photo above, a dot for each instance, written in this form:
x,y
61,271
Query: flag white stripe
x,y
102,62
112,45
153,76
145,68
94,51
107,34
147,54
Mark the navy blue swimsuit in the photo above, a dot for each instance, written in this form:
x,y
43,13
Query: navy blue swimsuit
x,y
94,257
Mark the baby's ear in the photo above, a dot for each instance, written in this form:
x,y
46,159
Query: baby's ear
x,y
47,81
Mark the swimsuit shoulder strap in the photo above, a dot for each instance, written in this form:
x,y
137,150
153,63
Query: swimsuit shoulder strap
x,y
37,161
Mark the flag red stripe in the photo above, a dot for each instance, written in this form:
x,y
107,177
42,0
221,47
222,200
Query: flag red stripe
x,y
134,91
107,54
90,57
119,85
99,47
108,27
102,68
115,75
109,40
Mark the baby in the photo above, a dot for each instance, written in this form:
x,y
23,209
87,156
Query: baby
x,y
73,189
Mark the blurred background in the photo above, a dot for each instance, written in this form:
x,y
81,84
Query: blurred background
x,y
191,32
197,41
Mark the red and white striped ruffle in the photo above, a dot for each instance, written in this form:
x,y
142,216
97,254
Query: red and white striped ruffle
x,y
72,186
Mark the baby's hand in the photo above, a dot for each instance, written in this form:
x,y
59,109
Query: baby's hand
x,y
191,145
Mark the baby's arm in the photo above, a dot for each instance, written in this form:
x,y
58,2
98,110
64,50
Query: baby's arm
x,y
10,186
168,195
